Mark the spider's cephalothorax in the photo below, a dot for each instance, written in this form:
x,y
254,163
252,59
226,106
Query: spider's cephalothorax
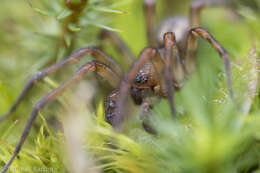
x,y
167,67
157,72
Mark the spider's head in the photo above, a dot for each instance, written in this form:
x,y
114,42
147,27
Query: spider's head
x,y
141,79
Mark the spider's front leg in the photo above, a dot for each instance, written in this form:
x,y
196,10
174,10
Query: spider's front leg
x,y
191,48
168,66
170,53
101,69
72,59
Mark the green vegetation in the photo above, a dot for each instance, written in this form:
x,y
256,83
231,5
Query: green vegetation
x,y
211,133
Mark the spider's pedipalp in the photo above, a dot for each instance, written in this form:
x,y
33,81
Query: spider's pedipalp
x,y
72,59
100,68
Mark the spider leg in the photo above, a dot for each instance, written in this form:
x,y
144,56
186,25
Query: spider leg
x,y
120,46
150,19
72,59
195,10
125,85
103,70
192,47
166,64
170,56
145,113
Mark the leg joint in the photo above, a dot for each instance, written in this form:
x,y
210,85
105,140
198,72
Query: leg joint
x,y
38,106
37,77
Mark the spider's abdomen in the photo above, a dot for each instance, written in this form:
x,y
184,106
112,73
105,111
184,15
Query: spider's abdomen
x,y
177,25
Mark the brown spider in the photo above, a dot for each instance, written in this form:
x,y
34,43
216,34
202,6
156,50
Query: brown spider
x,y
158,71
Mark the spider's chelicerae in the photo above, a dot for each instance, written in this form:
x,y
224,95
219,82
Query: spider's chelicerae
x,y
158,71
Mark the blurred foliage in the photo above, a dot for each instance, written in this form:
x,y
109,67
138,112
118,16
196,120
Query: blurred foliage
x,y
211,134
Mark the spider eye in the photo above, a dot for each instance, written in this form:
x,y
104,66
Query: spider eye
x,y
141,79
145,79
138,79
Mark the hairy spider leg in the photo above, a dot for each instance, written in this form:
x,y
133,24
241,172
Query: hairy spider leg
x,y
72,59
191,48
120,46
149,7
125,85
101,69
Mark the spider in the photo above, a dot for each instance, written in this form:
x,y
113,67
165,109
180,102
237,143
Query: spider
x,y
158,71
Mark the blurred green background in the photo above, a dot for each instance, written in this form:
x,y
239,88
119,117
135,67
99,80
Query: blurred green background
x,y
211,133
